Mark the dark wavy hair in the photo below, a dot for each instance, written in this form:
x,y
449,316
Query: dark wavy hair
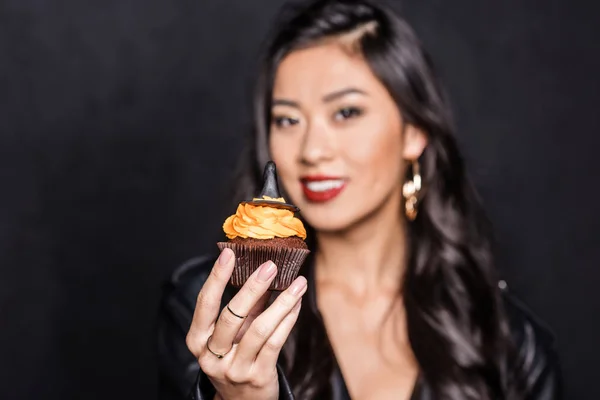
x,y
457,328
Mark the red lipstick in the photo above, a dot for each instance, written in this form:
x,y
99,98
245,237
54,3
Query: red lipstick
x,y
320,188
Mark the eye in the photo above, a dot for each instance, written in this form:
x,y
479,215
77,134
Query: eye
x,y
347,113
284,122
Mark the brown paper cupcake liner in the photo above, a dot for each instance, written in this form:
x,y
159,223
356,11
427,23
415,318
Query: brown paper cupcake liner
x,y
249,257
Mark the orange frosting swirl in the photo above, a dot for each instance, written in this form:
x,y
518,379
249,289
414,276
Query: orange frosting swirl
x,y
263,222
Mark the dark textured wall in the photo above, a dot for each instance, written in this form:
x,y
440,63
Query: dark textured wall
x,y
121,119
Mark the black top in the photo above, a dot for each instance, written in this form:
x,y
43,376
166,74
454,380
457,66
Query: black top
x,y
181,378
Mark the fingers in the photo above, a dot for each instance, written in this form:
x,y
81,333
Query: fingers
x,y
262,330
231,319
269,354
255,312
208,303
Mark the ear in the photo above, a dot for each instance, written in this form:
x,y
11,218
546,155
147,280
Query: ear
x,y
415,141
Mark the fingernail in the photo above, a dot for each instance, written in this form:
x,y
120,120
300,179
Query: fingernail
x,y
225,256
267,270
298,286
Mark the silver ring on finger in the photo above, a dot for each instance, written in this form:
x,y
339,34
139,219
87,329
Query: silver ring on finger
x,y
218,355
234,313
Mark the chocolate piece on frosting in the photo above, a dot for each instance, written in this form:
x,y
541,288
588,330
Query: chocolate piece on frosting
x,y
266,217
270,196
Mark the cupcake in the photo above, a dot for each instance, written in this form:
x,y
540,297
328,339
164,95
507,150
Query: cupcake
x,y
264,229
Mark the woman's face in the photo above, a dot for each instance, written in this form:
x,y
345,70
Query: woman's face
x,y
338,138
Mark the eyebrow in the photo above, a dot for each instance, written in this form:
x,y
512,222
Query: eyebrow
x,y
327,98
341,93
284,102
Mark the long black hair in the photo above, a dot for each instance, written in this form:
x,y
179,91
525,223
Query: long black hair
x,y
456,324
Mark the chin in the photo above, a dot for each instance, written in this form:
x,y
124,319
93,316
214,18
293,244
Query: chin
x,y
328,227
337,215
326,220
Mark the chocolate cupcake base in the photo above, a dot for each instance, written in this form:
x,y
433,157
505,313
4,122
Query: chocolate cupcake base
x,y
248,257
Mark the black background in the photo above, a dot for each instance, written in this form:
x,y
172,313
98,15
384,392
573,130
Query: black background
x,y
120,122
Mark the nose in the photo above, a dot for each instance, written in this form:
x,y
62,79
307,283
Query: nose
x,y
317,144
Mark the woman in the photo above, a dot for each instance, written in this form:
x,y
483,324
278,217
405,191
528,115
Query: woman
x,y
399,299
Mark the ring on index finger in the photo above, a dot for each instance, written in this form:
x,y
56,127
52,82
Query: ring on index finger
x,y
234,313
218,355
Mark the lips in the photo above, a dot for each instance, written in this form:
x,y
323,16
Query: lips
x,y
319,189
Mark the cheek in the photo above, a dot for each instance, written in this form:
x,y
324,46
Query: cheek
x,y
377,154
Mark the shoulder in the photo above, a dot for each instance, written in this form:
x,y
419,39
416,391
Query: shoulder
x,y
186,281
180,292
178,368
536,352
528,331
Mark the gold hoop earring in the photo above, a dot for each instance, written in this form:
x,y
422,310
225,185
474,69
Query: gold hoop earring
x,y
410,191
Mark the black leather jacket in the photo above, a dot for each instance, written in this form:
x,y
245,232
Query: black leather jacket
x,y
181,378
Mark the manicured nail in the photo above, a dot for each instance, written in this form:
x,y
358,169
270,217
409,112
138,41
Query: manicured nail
x,y
225,256
267,270
298,286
